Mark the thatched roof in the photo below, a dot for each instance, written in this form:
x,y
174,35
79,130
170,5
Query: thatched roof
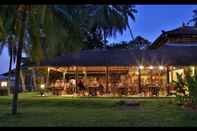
x,y
174,47
165,55
3,78
183,33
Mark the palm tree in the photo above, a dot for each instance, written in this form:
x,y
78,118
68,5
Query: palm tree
x,y
111,19
194,19
27,28
7,39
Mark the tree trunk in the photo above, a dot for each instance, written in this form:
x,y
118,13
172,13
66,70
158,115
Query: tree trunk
x,y
42,33
22,80
130,31
18,62
105,38
9,75
34,79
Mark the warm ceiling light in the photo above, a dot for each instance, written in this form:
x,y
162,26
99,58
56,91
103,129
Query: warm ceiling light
x,y
161,67
151,67
141,67
4,84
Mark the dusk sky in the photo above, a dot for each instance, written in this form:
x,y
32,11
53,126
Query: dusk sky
x,y
150,20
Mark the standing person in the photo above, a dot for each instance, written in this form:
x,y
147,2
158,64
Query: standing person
x,y
73,85
81,87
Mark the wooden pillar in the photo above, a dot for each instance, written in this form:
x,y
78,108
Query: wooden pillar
x,y
85,73
139,80
107,79
195,70
151,76
76,78
168,79
172,75
48,74
63,76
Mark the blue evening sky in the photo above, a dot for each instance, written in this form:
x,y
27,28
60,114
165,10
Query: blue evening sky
x,y
150,20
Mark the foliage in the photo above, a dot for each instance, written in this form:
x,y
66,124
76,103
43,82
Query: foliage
x,y
191,81
194,18
186,87
138,43
78,27
105,21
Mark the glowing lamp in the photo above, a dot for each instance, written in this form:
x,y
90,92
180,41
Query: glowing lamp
x,y
161,67
4,84
42,86
151,67
141,67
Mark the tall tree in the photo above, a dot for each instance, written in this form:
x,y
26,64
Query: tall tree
x,y
7,37
110,19
194,19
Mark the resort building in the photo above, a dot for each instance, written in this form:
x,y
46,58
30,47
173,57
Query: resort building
x,y
123,72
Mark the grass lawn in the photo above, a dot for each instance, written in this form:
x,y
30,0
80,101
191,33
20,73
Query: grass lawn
x,y
67,111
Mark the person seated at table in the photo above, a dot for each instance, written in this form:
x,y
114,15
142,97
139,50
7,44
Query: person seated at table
x,y
57,86
123,90
66,87
61,87
100,89
62,83
92,87
95,82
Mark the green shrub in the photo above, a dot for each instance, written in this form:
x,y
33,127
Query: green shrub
x,y
186,88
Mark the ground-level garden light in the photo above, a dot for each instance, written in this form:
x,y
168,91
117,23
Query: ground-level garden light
x,y
42,86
